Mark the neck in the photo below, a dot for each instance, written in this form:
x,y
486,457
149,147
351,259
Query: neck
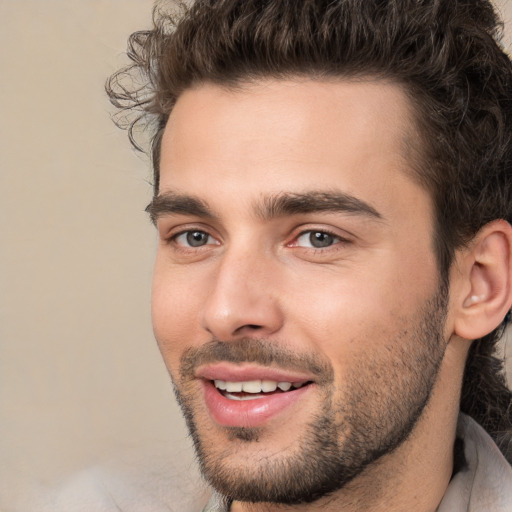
x,y
391,484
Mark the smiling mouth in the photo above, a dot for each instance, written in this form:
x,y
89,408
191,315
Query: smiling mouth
x,y
255,389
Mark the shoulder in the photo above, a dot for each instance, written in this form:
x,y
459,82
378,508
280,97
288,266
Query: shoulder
x,y
485,483
111,490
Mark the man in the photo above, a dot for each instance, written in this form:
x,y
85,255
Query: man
x,y
333,203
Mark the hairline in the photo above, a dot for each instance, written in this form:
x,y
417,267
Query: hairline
x,y
415,145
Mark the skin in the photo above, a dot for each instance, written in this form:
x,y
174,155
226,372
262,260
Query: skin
x,y
257,276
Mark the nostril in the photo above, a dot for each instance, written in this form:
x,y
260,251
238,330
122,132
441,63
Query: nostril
x,y
250,330
250,327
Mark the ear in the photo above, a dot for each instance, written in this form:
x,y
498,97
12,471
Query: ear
x,y
484,292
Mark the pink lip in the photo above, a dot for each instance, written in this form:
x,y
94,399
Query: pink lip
x,y
248,413
247,371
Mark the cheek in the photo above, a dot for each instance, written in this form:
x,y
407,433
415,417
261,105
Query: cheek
x,y
342,321
351,310
175,305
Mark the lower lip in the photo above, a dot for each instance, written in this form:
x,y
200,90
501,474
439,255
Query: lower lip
x,y
248,413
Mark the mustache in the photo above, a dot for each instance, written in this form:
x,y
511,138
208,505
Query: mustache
x,y
250,350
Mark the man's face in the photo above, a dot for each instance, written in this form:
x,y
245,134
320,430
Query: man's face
x,y
296,298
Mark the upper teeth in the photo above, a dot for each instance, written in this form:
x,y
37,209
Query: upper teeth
x,y
255,386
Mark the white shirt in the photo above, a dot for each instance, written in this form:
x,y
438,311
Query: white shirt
x,y
484,485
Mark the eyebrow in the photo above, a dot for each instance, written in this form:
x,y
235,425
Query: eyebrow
x,y
169,203
315,201
279,205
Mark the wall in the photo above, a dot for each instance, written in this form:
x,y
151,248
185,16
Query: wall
x,y
81,380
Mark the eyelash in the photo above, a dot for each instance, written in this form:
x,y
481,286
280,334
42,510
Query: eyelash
x,y
337,240
173,239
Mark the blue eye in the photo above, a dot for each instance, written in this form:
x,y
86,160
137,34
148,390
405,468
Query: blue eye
x,y
316,239
193,238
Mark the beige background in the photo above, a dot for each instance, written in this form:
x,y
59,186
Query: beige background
x,y
81,381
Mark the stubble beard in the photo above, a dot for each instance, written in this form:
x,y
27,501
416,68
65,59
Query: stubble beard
x,y
379,404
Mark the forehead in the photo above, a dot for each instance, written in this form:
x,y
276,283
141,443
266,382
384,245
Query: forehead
x,y
278,136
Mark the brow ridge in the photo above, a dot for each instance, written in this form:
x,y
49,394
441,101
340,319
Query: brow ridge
x,y
314,201
175,203
269,207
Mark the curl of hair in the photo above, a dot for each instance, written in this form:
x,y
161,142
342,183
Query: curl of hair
x,y
445,53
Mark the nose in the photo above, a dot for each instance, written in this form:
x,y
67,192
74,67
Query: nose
x,y
244,299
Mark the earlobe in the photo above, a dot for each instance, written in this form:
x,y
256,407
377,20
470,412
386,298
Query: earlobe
x,y
486,269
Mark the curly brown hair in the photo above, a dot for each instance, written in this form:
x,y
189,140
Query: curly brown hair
x,y
446,55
